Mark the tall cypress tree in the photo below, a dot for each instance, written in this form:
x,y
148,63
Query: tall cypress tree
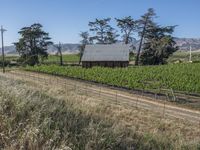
x,y
144,23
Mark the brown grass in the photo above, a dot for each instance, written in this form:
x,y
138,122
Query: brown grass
x,y
36,116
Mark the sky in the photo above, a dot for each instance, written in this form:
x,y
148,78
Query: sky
x,y
65,19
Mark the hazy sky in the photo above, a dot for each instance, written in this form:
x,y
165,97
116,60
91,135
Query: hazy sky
x,y
64,19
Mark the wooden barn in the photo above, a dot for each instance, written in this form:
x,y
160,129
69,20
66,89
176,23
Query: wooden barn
x,y
112,55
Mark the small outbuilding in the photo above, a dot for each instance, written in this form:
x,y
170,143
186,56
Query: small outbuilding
x,y
111,55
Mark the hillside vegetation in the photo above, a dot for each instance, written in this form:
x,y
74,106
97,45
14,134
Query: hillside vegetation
x,y
66,58
183,56
32,118
181,77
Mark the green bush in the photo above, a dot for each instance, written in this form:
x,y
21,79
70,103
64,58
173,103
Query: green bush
x,y
6,63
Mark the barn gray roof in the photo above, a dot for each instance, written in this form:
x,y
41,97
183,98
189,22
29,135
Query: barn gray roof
x,y
111,52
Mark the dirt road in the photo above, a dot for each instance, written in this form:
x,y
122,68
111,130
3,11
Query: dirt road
x,y
107,94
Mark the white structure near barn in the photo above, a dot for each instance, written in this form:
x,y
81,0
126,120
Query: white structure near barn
x,y
110,55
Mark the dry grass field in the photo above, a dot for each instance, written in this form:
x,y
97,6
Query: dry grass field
x,y
38,116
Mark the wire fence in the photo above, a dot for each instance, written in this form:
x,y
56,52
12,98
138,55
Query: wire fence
x,y
113,96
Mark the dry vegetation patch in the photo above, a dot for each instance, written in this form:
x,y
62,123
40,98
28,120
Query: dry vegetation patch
x,y
36,116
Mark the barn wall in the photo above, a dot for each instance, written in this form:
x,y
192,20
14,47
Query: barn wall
x,y
88,64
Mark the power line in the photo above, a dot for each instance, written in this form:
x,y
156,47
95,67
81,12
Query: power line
x,y
3,59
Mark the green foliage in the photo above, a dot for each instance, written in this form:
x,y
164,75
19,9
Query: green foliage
x,y
6,63
182,77
131,56
158,46
143,24
33,44
183,56
103,32
66,58
127,26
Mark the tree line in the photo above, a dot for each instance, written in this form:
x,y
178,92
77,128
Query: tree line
x,y
156,42
155,46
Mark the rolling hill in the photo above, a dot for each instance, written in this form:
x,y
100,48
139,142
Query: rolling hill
x,y
68,48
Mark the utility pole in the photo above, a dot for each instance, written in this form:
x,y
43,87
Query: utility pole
x,y
190,59
3,59
59,48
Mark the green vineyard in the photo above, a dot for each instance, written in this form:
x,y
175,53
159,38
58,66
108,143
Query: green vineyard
x,y
179,77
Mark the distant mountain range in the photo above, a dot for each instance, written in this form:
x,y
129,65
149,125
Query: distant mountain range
x,y
66,49
183,43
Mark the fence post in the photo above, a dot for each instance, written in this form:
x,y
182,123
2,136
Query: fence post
x,y
116,97
34,77
65,85
137,101
50,78
164,107
12,75
174,97
75,87
23,76
99,91
56,79
86,90
199,125
155,96
38,77
142,92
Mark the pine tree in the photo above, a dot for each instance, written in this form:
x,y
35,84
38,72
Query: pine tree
x,y
103,32
127,26
33,44
144,23
158,45
85,40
